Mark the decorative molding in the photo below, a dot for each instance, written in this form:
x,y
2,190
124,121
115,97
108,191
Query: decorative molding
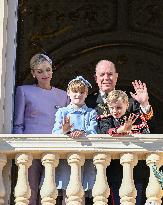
x,y
146,16
11,144
78,35
63,24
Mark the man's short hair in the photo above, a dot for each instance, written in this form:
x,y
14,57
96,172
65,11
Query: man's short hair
x,y
110,63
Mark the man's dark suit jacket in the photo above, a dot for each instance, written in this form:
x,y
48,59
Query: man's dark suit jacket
x,y
95,101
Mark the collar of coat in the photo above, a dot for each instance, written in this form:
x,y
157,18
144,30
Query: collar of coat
x,y
71,109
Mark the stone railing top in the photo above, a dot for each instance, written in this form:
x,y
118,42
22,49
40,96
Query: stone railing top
x,y
39,143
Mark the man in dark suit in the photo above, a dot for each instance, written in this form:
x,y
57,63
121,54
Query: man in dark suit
x,y
106,78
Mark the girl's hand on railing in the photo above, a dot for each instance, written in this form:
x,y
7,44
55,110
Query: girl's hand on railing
x,y
66,126
76,133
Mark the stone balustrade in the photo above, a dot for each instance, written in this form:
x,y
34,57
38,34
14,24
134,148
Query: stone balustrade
x,y
101,148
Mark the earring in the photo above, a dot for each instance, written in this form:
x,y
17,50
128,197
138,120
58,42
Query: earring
x,y
33,76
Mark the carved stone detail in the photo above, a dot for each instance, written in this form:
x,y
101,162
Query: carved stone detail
x,y
127,190
22,189
3,161
101,193
146,17
74,189
48,190
153,190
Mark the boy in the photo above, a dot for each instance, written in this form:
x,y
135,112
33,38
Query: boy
x,y
120,122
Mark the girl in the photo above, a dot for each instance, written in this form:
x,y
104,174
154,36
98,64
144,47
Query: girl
x,y
77,120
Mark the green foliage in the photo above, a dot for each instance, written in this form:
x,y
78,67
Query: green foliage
x,y
158,174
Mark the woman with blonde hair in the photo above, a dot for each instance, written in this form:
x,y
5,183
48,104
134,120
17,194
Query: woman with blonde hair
x,y
35,108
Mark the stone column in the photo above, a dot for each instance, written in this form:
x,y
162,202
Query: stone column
x,y
3,161
48,190
153,190
3,44
8,44
74,189
127,190
101,189
22,189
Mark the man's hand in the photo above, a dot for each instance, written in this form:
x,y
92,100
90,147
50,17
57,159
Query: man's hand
x,y
141,93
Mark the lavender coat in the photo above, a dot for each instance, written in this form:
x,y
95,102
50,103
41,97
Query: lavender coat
x,y
35,109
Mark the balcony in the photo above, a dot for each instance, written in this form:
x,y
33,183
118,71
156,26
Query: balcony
x,y
101,148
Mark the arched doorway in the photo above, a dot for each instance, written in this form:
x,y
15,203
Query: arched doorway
x,y
76,34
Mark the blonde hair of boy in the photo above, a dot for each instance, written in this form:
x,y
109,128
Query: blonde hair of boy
x,y
117,95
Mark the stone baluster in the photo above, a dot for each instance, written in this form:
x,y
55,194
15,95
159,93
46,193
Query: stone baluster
x,y
74,189
127,190
3,161
22,189
101,189
48,190
153,190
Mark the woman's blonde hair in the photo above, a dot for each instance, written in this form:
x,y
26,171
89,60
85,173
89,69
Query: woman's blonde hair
x,y
116,95
38,59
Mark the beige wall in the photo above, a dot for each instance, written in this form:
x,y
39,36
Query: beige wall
x,y
3,22
8,26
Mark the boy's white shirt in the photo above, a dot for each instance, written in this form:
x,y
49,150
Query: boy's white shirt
x,y
146,109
